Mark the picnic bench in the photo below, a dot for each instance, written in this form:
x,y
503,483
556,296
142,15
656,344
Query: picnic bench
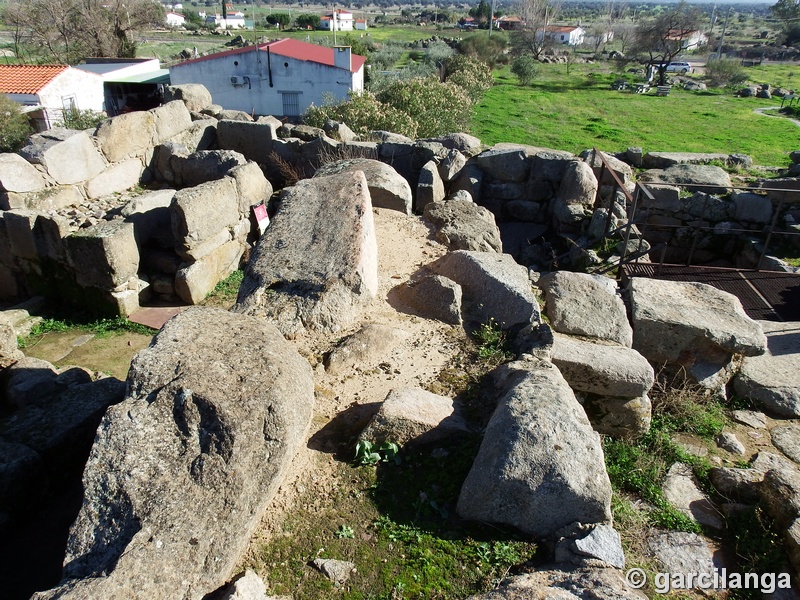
x,y
790,98
641,88
663,90
619,85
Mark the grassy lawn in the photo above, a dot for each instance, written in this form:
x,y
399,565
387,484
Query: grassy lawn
x,y
580,110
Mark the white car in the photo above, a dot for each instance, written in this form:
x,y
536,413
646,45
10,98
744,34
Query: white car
x,y
681,67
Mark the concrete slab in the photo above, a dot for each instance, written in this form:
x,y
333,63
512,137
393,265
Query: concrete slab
x,y
155,316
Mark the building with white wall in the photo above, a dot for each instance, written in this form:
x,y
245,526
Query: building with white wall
x,y
174,19
564,34
338,20
281,78
48,91
129,83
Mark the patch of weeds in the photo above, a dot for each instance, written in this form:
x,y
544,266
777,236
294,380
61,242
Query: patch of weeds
x,y
685,408
492,343
100,327
759,549
368,453
226,290
345,532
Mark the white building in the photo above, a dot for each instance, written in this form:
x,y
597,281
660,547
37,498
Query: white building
x,y
564,34
361,24
283,77
338,20
48,91
232,21
175,19
129,83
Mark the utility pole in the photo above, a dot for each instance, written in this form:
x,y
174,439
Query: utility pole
x,y
722,37
491,18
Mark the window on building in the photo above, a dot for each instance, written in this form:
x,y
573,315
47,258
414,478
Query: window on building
x,y
291,104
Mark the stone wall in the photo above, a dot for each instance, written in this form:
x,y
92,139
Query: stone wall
x,y
102,220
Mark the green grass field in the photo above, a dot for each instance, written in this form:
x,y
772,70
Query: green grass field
x,y
580,110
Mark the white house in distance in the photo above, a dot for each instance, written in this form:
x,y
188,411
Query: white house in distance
x,y
564,34
283,77
232,21
175,19
47,91
338,20
688,39
361,24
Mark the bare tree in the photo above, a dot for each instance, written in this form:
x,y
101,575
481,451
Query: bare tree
x,y
536,16
71,30
667,35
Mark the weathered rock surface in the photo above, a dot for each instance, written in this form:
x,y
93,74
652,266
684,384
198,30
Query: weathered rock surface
x,y
728,441
787,440
682,491
709,178
68,156
201,217
463,225
587,305
104,255
337,571
182,469
619,417
434,296
365,349
195,96
430,187
540,466
773,379
412,415
318,261
116,179
576,194
496,286
604,369
387,188
566,584
18,175
680,552
692,325
593,546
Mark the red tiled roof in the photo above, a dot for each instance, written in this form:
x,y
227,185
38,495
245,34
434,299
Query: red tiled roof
x,y
27,79
560,28
291,49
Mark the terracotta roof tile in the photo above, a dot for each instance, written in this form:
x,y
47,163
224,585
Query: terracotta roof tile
x,y
27,79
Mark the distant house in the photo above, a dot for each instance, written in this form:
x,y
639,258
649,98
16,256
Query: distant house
x,y
361,24
338,20
46,92
232,21
688,38
283,77
175,19
508,23
564,34
129,83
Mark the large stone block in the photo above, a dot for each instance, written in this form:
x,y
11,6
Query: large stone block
x,y
587,305
604,369
19,226
202,212
505,165
169,120
151,218
253,188
494,284
117,178
463,225
103,256
253,140
540,466
18,175
317,264
194,282
387,188
430,187
183,468
126,135
194,95
68,156
200,135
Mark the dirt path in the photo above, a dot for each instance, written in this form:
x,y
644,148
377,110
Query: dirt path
x,y
405,244
762,112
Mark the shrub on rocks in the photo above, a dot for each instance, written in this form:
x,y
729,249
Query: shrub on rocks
x,y
363,114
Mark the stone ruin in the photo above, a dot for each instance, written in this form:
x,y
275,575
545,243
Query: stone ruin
x,y
188,453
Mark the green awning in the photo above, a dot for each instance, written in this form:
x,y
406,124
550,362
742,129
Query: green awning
x,y
160,76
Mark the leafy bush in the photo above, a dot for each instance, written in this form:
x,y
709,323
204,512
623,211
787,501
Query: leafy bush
x,y
436,107
437,53
725,72
386,57
487,49
363,113
83,119
525,68
14,126
472,75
